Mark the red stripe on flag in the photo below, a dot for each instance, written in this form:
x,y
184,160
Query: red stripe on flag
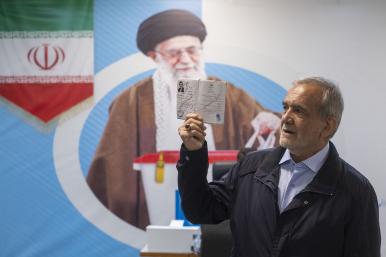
x,y
46,101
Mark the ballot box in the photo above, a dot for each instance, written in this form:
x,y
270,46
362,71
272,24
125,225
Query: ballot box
x,y
174,238
159,177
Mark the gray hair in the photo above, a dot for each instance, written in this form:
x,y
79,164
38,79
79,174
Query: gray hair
x,y
332,104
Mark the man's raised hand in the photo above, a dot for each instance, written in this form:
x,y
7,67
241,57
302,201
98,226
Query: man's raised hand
x,y
192,132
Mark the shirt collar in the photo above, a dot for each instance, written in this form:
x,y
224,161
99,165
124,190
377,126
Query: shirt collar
x,y
314,163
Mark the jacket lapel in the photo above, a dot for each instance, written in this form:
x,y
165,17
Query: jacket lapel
x,y
327,178
324,183
268,172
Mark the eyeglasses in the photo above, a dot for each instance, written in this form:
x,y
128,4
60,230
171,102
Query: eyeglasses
x,y
192,51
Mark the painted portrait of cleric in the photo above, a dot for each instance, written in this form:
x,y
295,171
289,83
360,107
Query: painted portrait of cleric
x,y
142,119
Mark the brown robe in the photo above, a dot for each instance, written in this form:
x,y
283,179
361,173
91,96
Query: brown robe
x,y
131,131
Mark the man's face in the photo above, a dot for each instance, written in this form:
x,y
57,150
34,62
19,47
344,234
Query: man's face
x,y
181,55
303,131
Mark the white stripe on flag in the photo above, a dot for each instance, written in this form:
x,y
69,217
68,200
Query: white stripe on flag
x,y
46,57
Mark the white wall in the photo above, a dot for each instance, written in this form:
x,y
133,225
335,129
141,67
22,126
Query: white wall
x,y
341,40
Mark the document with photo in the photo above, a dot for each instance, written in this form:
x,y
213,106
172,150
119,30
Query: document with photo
x,y
206,97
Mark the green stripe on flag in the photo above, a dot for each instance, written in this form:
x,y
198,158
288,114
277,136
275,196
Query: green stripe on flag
x,y
48,15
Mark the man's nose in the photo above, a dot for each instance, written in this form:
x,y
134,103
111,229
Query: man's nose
x,y
286,117
184,57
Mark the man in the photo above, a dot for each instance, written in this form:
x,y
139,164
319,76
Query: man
x,y
142,118
299,199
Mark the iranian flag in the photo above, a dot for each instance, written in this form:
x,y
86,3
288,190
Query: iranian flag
x,y
46,55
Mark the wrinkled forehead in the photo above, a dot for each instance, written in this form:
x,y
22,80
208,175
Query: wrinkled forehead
x,y
179,42
304,94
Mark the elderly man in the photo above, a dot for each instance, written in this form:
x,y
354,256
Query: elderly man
x,y
143,117
299,199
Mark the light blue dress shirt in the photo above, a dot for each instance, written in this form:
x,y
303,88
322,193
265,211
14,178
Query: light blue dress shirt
x,y
294,177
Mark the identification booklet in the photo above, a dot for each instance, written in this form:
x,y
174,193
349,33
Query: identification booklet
x,y
206,97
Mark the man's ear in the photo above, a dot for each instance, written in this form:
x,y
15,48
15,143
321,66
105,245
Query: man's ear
x,y
330,128
152,55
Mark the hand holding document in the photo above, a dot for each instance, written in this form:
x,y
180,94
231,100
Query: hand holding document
x,y
205,97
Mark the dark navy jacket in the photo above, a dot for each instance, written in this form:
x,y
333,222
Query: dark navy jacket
x,y
336,215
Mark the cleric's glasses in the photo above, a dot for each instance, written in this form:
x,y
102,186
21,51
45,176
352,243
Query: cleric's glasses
x,y
192,51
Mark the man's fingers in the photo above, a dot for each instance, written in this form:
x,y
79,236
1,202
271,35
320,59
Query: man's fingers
x,y
194,124
186,133
192,138
192,131
195,116
197,135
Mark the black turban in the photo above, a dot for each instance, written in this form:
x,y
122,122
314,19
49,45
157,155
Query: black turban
x,y
168,24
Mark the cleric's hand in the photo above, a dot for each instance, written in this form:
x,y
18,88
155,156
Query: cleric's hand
x,y
192,132
265,123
